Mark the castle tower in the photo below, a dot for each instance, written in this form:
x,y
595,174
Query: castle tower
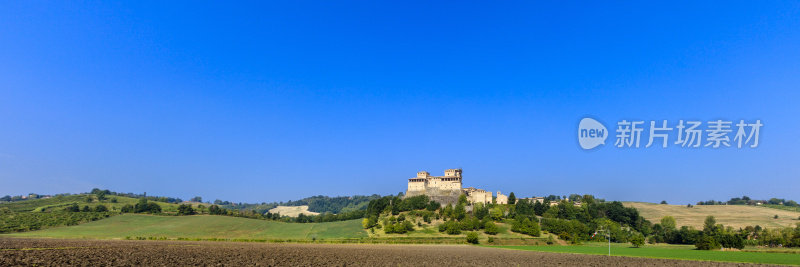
x,y
452,173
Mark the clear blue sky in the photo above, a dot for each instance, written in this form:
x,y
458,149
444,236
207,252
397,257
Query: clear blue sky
x,y
271,101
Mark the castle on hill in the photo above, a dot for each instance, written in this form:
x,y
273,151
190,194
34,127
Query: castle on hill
x,y
446,189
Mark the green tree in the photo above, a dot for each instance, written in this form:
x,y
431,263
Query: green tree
x,y
73,208
707,242
710,225
490,228
459,212
472,237
668,223
496,213
637,240
512,199
462,200
128,208
185,209
101,208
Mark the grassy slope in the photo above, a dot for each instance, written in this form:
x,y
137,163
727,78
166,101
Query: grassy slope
x,y
669,252
729,215
200,226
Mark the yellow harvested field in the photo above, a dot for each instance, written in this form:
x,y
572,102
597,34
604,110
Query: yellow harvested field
x,y
292,211
729,215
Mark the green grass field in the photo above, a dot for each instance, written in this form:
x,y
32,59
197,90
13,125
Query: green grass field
x,y
199,226
685,252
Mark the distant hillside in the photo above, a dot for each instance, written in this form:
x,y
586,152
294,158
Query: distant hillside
x,y
200,226
58,203
318,204
730,215
292,211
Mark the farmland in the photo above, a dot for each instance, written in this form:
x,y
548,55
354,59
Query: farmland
x,y
200,226
737,216
52,252
685,252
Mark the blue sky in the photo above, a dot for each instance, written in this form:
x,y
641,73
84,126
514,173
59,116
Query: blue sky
x,y
271,101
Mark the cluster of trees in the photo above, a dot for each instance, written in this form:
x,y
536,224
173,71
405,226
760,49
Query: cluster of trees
x,y
106,192
745,200
321,204
525,226
143,206
74,208
567,220
578,223
186,209
774,237
713,235
397,225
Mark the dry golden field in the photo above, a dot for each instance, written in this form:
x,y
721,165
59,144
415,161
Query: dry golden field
x,y
292,211
729,215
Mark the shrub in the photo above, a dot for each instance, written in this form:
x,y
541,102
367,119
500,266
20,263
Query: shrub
x,y
490,228
185,209
128,208
707,242
637,240
472,237
525,226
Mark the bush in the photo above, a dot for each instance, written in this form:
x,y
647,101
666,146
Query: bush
x,y
550,240
706,242
637,240
450,227
101,208
128,208
525,226
185,209
472,237
490,228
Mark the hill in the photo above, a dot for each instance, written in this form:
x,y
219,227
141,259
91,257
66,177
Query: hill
x,y
199,226
292,211
57,203
737,216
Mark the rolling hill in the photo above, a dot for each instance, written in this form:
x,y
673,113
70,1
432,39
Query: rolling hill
x,y
737,216
199,226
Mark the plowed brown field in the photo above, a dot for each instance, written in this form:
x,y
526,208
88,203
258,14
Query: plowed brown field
x,y
51,252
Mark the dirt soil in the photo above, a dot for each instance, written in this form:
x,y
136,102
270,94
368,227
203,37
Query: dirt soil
x,y
54,252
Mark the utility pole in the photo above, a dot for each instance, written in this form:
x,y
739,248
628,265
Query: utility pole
x,y
608,237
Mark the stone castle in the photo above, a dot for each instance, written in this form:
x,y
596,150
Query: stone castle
x,y
446,189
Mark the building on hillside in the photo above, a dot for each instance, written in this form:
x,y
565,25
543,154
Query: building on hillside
x,y
475,195
501,199
445,189
533,200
